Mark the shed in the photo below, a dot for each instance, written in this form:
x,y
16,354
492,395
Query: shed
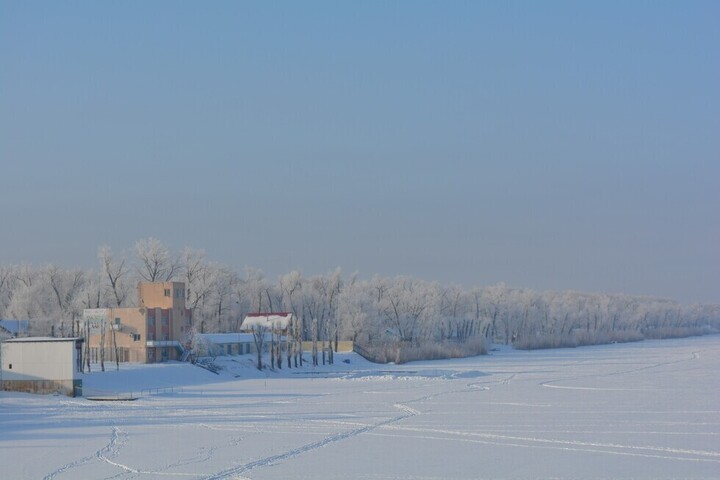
x,y
230,343
42,365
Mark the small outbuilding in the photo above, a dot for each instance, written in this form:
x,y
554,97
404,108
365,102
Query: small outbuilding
x,y
228,343
42,365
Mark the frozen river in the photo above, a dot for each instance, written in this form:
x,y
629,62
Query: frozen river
x,y
641,410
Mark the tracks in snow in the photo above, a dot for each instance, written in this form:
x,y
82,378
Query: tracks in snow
x,y
111,449
549,384
648,451
390,423
408,412
273,459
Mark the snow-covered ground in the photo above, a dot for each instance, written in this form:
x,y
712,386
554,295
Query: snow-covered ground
x,y
642,410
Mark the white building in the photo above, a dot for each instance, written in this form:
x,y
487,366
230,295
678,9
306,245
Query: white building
x,y
231,343
41,365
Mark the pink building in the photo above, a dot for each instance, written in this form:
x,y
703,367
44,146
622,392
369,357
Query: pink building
x,y
154,331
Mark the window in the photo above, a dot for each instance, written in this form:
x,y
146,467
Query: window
x,y
167,292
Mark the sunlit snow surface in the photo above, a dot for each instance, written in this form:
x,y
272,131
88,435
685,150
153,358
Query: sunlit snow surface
x,y
642,410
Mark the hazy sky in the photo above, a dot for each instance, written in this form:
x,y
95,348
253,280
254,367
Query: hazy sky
x,y
549,145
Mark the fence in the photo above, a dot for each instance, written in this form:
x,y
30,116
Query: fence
x,y
108,395
344,346
363,352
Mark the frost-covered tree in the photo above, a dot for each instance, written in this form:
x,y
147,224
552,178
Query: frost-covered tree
x,y
259,332
116,274
197,276
401,310
254,289
29,301
7,286
320,304
155,262
357,312
67,288
290,288
408,306
218,311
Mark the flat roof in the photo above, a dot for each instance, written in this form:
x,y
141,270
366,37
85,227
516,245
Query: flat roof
x,y
42,339
228,337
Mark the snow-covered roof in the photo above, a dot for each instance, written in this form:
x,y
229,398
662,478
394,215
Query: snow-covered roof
x,y
225,338
43,339
267,320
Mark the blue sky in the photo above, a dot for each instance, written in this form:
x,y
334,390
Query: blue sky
x,y
548,145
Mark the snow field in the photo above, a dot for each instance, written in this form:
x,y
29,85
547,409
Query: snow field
x,y
641,410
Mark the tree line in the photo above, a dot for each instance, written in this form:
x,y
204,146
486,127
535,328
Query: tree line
x,y
387,316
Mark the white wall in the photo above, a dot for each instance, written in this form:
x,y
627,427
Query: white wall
x,y
50,360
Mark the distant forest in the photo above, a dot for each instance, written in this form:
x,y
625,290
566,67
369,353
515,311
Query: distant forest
x,y
389,317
